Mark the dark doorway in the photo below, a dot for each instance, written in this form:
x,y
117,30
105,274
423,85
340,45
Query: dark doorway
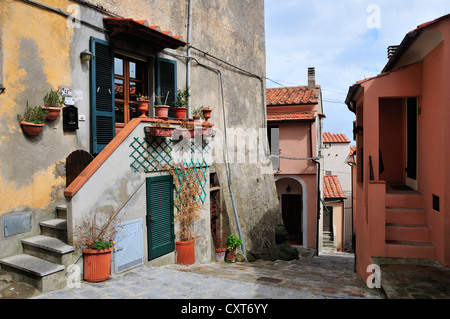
x,y
76,162
411,136
292,217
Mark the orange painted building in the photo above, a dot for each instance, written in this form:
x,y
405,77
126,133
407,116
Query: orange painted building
x,y
401,185
294,116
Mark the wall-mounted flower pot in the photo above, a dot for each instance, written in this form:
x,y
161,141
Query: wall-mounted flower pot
x,y
162,111
179,113
53,112
158,131
185,252
97,264
31,129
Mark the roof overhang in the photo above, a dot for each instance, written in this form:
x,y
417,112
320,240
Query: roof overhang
x,y
141,30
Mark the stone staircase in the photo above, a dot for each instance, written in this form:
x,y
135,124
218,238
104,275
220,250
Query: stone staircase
x,y
328,241
407,232
45,257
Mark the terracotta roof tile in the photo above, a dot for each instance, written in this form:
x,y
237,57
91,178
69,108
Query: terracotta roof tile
x,y
332,187
299,116
296,95
352,150
335,138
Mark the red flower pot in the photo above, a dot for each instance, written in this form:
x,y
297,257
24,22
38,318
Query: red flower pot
x,y
159,131
206,114
179,113
162,111
31,128
230,256
185,252
220,254
53,112
97,264
143,107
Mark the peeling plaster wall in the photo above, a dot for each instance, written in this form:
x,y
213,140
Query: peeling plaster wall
x,y
42,52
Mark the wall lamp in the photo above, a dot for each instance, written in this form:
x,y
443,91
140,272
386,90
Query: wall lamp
x,y
86,55
2,89
288,189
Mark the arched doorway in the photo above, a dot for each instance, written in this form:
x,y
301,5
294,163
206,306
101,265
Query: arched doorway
x,y
292,196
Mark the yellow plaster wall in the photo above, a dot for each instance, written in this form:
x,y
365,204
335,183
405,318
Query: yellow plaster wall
x,y
49,31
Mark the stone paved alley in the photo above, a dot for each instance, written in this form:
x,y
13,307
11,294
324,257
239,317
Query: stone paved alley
x,y
330,276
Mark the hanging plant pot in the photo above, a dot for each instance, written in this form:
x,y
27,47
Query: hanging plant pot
x,y
97,264
158,131
31,129
220,254
143,107
162,112
185,252
53,112
179,113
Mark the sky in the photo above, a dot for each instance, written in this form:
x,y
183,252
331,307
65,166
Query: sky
x,y
346,41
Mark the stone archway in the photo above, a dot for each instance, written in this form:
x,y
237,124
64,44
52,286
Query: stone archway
x,y
297,187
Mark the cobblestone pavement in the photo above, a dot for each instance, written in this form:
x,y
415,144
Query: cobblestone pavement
x,y
329,276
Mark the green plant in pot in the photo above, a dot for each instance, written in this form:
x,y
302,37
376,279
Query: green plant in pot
x,y
95,234
53,103
232,243
33,119
181,104
161,109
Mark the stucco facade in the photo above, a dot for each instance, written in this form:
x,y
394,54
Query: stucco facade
x,y
226,72
402,149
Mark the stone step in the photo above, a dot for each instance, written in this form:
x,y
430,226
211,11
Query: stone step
x,y
405,249
406,216
61,211
414,200
408,233
48,248
55,228
41,274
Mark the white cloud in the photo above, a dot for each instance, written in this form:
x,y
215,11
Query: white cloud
x,y
334,37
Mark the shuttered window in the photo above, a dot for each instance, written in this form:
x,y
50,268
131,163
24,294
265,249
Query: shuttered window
x,y
166,77
160,219
102,95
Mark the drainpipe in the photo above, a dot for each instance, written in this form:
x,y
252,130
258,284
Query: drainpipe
x,y
188,54
318,190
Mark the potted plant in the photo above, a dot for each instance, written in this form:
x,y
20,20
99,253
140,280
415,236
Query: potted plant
x,y
187,203
53,103
197,114
161,110
33,119
159,129
95,235
232,243
142,102
181,104
206,113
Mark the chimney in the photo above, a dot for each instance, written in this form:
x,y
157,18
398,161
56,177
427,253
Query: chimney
x,y
311,78
391,50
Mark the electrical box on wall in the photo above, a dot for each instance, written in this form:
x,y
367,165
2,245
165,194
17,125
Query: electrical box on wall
x,y
70,118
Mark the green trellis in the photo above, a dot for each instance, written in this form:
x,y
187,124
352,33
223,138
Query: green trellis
x,y
152,154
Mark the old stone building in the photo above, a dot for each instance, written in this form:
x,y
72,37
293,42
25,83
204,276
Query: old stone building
x,y
100,55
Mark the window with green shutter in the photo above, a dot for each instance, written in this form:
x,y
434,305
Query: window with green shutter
x,y
102,95
160,218
166,78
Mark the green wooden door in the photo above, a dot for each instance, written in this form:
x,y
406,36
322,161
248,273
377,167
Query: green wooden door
x,y
160,219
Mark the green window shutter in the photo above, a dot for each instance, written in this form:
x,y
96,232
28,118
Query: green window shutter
x,y
166,77
160,218
102,95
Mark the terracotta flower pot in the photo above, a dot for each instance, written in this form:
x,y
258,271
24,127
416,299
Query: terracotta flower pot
x,y
185,252
162,111
31,128
143,107
97,264
220,254
159,131
206,114
179,113
230,256
53,112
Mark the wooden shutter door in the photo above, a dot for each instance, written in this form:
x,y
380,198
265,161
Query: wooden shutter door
x,y
167,81
102,95
160,219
